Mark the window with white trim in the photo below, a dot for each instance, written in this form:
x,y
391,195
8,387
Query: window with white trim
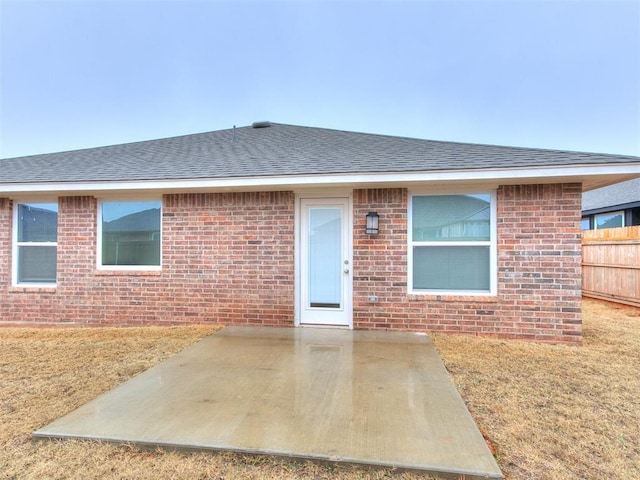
x,y
35,243
129,234
452,243
609,220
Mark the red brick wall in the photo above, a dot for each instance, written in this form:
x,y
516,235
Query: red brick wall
x,y
380,262
229,258
6,209
226,258
539,269
233,256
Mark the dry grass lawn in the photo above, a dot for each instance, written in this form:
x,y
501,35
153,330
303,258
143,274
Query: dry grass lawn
x,y
555,412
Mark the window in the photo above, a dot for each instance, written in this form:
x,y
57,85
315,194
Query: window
x,y
129,235
36,243
585,223
452,243
609,220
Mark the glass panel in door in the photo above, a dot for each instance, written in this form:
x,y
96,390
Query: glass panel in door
x,y
325,282
325,257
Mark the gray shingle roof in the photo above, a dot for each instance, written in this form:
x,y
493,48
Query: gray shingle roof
x,y
612,196
275,151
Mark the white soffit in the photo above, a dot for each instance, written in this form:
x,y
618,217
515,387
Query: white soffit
x,y
591,176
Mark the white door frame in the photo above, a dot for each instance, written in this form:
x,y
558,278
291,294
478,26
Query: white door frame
x,y
348,247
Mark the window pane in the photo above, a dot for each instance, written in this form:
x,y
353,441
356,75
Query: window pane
x,y
131,233
325,257
37,264
451,217
451,268
38,222
586,225
609,220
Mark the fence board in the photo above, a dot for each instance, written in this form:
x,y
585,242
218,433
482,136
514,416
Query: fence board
x,y
611,264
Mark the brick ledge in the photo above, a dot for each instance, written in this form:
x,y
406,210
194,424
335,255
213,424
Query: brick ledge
x,y
127,273
27,289
429,297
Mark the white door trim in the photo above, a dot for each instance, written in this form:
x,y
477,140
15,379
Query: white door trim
x,y
348,239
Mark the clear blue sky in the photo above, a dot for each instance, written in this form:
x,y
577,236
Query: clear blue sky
x,y
552,74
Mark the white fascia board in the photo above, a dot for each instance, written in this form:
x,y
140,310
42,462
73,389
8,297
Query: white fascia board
x,y
610,173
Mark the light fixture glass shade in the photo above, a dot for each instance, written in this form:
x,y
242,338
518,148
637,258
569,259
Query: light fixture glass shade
x,y
372,223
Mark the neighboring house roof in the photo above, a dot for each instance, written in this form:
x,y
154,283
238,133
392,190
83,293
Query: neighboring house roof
x,y
613,197
41,224
447,210
145,221
282,151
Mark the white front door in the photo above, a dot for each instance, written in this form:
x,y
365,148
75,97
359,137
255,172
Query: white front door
x,y
325,262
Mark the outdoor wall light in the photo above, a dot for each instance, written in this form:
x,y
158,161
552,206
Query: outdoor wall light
x,y
372,223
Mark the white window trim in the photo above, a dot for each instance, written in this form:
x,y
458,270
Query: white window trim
x,y
492,243
609,214
120,268
16,244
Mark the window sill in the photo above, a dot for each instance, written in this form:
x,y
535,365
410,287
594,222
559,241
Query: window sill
x,y
453,297
33,289
128,273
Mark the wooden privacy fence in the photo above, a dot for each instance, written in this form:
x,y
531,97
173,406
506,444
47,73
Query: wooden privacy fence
x,y
611,264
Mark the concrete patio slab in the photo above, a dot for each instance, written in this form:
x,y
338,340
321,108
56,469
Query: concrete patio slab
x,y
373,398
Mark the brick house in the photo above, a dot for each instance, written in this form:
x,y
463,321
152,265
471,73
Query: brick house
x,y
612,207
267,225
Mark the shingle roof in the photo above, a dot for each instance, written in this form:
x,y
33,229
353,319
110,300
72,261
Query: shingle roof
x,y
612,196
275,151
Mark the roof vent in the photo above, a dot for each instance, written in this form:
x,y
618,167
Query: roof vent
x,y
263,124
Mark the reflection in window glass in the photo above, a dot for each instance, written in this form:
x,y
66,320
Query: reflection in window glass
x,y
37,237
451,237
609,220
586,224
451,218
131,233
37,222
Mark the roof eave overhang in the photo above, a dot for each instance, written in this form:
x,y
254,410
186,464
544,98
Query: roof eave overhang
x,y
591,177
611,208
